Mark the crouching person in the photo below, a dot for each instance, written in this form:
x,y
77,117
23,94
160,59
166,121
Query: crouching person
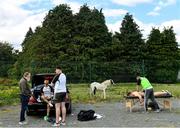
x,y
46,96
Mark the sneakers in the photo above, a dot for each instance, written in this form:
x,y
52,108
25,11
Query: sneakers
x,y
56,125
63,123
157,110
22,122
46,118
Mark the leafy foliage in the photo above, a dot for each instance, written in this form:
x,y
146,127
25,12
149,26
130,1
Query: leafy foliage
x,y
87,51
128,47
7,58
162,48
130,40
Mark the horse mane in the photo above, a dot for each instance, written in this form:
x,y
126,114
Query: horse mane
x,y
107,82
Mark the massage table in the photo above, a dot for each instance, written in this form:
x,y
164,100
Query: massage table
x,y
130,101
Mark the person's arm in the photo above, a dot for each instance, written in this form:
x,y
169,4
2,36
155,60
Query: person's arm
x,y
56,77
67,90
137,88
41,91
29,90
138,84
52,90
22,85
138,94
62,80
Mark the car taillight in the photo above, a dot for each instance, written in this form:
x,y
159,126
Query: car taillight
x,y
32,100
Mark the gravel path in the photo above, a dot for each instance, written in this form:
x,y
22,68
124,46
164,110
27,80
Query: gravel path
x,y
114,115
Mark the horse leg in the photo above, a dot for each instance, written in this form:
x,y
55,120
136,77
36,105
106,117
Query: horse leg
x,y
92,90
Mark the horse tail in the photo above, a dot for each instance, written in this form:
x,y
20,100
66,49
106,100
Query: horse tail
x,y
94,90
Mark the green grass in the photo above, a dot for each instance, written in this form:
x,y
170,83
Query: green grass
x,y
9,91
80,92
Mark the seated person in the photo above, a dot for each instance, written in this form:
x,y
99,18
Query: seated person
x,y
46,95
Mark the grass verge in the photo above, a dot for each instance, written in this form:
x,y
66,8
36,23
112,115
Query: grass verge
x,y
115,93
9,92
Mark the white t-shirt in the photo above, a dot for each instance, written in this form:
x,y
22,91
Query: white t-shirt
x,y
47,91
60,85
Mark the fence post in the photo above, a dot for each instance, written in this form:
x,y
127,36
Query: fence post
x,y
143,68
90,72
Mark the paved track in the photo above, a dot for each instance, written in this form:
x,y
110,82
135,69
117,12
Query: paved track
x,y
114,115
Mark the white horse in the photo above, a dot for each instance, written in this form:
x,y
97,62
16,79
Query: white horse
x,y
100,86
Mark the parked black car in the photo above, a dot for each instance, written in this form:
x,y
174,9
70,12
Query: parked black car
x,y
36,105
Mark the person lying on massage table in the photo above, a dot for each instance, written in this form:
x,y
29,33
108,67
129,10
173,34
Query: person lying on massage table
x,y
141,94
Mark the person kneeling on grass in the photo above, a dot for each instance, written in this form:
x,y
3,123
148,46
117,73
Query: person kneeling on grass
x,y
46,95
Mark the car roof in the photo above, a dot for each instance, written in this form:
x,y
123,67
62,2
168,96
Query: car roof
x,y
43,74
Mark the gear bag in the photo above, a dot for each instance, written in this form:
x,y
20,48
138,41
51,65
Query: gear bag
x,y
85,115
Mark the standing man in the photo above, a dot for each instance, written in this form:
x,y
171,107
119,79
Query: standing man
x,y
25,94
60,95
149,92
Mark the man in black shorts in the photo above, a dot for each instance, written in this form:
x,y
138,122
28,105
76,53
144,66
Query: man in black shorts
x,y
60,95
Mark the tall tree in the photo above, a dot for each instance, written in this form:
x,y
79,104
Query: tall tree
x,y
27,37
128,46
131,39
168,68
7,58
91,38
91,34
153,45
59,23
162,55
49,44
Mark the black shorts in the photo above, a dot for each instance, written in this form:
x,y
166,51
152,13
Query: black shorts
x,y
60,97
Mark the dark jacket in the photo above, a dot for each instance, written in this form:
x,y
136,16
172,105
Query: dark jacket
x,y
24,88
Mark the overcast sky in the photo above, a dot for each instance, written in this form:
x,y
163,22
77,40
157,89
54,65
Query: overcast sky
x,y
16,16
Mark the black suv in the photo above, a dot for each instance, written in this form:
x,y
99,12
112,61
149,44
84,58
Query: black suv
x,y
35,104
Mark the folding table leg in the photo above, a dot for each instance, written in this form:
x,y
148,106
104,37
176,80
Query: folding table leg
x,y
129,105
167,104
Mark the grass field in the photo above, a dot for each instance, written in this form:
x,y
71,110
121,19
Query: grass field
x,y
9,92
80,92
